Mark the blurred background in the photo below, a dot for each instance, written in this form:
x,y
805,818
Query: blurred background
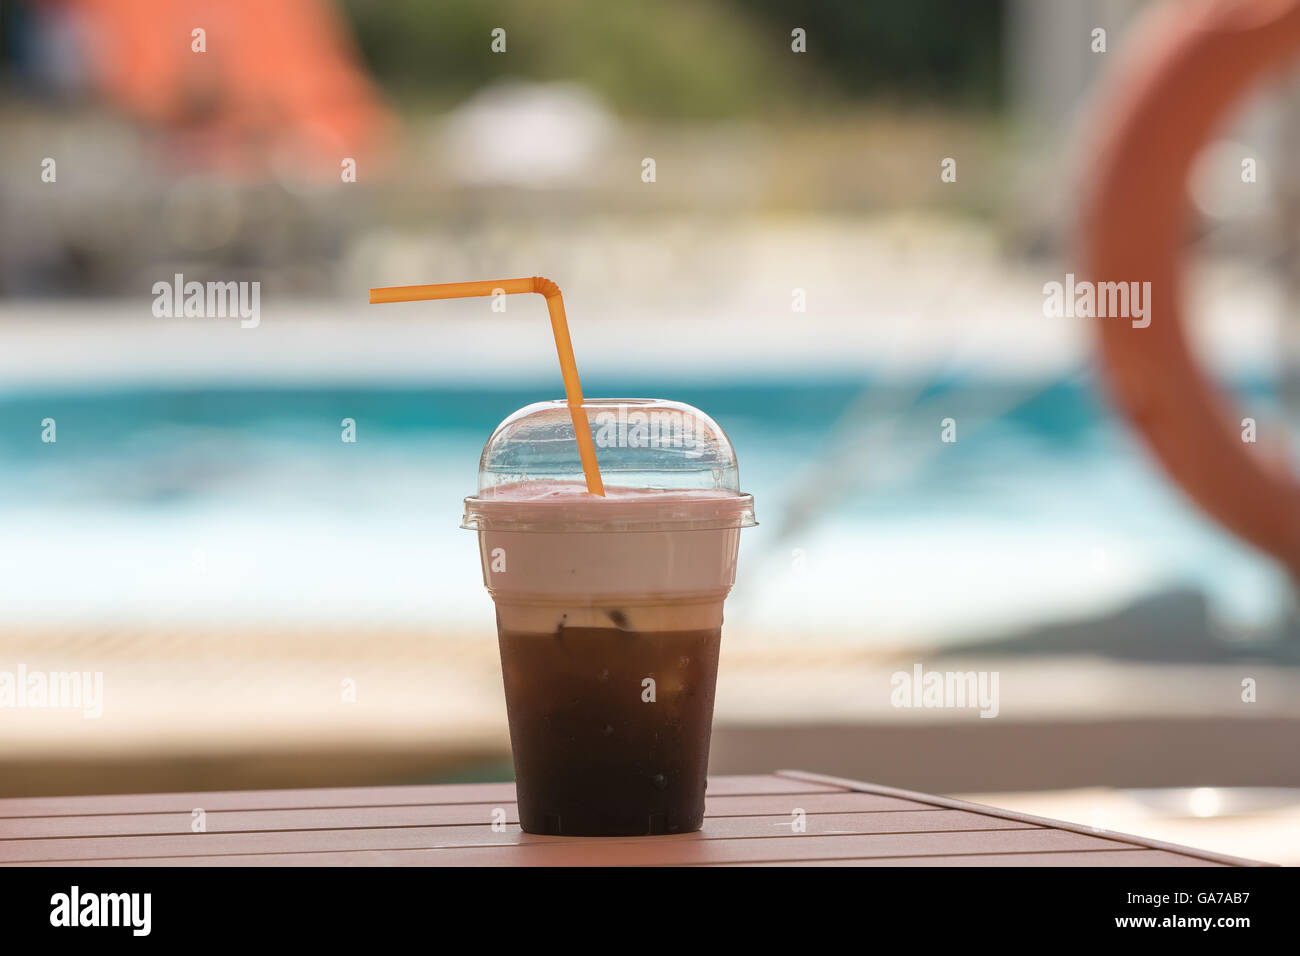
x,y
795,266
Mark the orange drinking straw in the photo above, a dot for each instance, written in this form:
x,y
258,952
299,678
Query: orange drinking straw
x,y
563,345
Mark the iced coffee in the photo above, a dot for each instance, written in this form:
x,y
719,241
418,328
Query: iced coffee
x,y
609,618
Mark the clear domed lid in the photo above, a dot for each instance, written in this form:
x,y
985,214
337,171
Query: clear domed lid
x,y
654,455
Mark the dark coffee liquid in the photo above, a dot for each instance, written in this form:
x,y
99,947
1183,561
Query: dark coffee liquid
x,y
593,756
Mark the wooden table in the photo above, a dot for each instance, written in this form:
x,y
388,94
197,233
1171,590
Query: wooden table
x,y
751,821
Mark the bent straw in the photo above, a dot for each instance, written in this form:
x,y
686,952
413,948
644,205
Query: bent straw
x,y
559,327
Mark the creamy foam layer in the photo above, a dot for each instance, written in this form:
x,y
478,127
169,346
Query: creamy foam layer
x,y
554,555
601,568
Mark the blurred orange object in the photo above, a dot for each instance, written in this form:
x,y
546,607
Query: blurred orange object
x,y
1190,64
265,85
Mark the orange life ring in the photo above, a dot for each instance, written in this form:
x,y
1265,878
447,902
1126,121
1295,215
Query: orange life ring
x,y
1192,63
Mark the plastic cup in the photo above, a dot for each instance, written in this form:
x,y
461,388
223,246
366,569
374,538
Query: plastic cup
x,y
609,609
609,569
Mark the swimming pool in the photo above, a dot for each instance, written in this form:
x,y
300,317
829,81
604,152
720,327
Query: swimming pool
x,y
164,505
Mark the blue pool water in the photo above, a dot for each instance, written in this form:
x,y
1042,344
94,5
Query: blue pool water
x,y
242,505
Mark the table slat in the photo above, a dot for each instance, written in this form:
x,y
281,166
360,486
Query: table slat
x,y
737,785
1077,858
528,850
228,821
